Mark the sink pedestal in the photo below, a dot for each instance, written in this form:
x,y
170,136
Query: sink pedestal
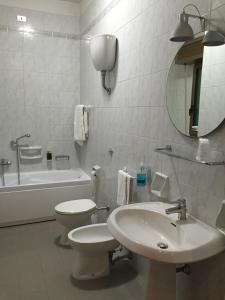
x,y
161,281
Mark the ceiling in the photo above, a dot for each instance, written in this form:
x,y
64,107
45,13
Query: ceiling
x,y
73,1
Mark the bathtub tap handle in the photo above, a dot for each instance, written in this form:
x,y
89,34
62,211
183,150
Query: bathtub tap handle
x,y
5,162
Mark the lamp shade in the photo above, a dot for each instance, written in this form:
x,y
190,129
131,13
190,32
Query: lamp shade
x,y
183,31
213,38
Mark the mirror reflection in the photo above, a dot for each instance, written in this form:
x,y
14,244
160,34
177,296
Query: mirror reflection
x,y
195,88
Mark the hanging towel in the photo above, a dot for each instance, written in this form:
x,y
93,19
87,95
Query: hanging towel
x,y
80,124
125,188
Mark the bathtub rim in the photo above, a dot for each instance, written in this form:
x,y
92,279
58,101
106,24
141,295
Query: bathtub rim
x,y
50,184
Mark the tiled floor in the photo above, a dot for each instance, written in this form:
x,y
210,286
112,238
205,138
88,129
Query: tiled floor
x,y
33,267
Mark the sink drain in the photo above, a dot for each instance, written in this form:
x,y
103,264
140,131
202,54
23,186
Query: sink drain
x,y
162,245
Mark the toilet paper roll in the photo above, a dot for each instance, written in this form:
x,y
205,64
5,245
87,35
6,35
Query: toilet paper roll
x,y
93,173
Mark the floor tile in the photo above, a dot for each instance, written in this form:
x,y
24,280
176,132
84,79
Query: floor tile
x,y
33,267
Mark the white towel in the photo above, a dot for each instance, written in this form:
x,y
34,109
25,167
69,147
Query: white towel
x,y
80,124
125,188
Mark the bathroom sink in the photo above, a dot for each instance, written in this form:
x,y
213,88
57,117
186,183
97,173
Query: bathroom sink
x,y
145,229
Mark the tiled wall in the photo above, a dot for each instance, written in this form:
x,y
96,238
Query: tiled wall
x,y
40,80
134,119
40,83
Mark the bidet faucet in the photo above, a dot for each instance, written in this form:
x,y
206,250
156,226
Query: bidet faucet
x,y
181,209
107,208
15,144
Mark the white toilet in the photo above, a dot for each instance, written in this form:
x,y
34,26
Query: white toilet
x,y
73,214
92,245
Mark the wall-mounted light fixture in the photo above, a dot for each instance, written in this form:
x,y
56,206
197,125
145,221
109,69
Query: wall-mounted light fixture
x,y
103,54
184,32
212,37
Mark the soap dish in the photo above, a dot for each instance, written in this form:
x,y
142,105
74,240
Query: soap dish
x,y
31,152
160,185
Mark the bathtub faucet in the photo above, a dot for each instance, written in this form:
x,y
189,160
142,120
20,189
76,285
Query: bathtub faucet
x,y
15,145
3,163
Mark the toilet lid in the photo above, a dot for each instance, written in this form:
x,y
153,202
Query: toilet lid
x,y
73,207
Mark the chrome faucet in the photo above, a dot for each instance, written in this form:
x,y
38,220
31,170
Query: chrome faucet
x,y
107,208
181,209
3,163
15,144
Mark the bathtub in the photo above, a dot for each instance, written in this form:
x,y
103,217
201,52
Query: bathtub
x,y
35,198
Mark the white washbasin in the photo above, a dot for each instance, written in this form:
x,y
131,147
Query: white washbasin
x,y
141,227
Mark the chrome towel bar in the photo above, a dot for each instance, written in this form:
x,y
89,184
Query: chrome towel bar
x,y
62,157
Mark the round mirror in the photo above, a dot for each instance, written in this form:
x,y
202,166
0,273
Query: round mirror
x,y
196,88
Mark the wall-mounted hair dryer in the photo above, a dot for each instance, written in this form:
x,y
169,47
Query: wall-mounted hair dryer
x,y
103,53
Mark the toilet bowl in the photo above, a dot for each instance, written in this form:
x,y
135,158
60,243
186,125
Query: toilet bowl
x,y
72,214
92,245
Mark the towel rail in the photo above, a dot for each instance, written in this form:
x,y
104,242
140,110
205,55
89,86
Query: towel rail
x,y
126,171
87,108
62,157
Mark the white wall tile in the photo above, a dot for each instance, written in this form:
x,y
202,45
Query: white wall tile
x,y
134,119
39,85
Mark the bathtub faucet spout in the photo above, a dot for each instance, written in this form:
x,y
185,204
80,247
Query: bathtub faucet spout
x,y
3,163
15,145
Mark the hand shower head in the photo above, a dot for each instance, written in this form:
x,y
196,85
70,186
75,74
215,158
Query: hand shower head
x,y
23,136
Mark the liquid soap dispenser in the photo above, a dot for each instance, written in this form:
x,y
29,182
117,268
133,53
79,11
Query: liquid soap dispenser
x,y
142,176
49,156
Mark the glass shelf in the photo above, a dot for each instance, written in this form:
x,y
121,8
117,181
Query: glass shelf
x,y
167,150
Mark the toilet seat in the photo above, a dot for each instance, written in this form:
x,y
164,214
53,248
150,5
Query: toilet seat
x,y
94,238
75,207
91,234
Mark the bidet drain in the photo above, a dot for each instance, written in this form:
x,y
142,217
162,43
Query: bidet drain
x,y
162,245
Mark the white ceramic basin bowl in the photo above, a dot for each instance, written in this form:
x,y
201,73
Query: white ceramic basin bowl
x,y
141,227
